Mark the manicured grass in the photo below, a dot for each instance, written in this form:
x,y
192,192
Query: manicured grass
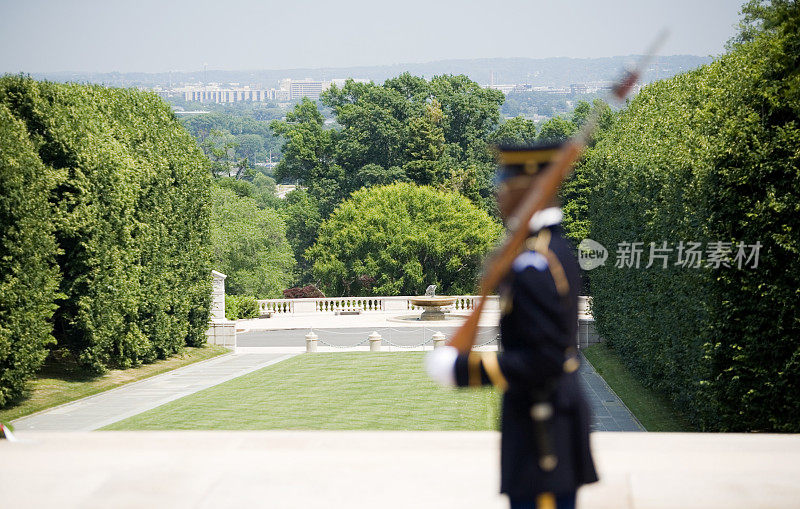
x,y
653,410
55,385
345,391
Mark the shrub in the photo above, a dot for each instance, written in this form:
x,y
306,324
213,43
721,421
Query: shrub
x,y
398,239
241,306
305,292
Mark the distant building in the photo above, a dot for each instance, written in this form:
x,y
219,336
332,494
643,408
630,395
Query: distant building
x,y
579,88
215,94
233,93
306,88
506,89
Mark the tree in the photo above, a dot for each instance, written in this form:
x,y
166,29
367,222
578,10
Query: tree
x,y
375,175
517,130
250,246
408,128
556,130
309,153
402,238
302,215
471,112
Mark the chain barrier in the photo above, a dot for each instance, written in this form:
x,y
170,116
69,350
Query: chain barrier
x,y
341,346
389,342
496,338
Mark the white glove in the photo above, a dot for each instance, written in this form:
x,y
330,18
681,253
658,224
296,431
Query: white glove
x,y
440,365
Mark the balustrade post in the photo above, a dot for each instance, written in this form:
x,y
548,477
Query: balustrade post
x,y
375,342
439,340
311,342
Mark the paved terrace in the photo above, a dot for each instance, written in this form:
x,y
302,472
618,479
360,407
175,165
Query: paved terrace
x,y
356,470
262,342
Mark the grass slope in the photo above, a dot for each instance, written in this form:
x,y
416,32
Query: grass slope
x,y
653,410
337,391
54,385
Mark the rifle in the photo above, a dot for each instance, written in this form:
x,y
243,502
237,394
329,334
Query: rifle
x,y
538,197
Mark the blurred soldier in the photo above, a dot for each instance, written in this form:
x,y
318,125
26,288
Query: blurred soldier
x,y
545,452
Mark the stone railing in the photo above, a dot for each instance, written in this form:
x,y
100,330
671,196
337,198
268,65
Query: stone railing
x,y
362,304
375,304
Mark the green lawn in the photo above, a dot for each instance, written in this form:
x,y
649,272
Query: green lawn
x,y
653,410
344,391
56,384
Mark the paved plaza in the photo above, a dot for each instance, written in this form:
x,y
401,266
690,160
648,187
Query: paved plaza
x,y
102,409
442,470
94,412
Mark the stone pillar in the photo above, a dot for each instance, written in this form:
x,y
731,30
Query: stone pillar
x,y
220,331
375,342
311,342
438,340
217,295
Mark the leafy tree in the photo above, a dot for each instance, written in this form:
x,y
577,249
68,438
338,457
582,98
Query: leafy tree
x,y
471,112
250,246
250,147
555,130
375,175
220,148
264,192
401,238
309,152
302,215
515,130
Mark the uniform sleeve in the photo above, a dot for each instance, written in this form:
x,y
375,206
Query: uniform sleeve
x,y
538,316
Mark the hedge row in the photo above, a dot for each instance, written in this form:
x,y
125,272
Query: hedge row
x,y
708,156
130,212
28,274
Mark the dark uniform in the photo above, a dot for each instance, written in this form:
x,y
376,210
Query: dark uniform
x,y
545,418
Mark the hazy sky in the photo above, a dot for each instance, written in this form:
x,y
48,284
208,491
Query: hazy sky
x,y
162,35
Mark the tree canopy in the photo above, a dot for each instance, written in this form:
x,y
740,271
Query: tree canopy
x,y
250,246
408,129
398,239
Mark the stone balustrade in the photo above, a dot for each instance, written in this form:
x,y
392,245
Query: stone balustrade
x,y
363,304
378,304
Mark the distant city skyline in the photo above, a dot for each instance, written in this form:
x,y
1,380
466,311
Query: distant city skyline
x,y
182,35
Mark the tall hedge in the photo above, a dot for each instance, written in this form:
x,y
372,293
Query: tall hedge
x,y
28,274
131,219
711,155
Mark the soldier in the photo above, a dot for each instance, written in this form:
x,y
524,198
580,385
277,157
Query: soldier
x,y
545,452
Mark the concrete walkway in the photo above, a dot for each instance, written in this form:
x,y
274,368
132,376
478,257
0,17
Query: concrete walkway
x,y
609,413
356,470
94,412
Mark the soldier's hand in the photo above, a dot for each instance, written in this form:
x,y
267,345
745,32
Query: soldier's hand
x,y
440,364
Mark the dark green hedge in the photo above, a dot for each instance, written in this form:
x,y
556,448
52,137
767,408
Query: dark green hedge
x,y
131,218
28,274
711,155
